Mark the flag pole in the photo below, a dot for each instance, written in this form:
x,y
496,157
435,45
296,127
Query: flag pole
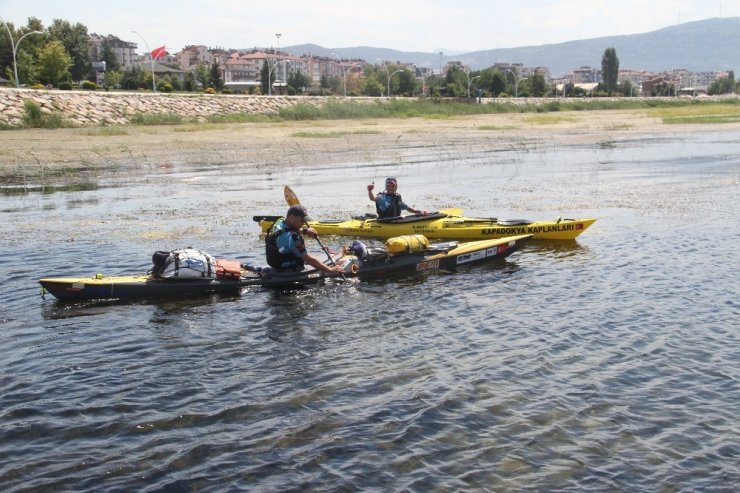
x,y
154,86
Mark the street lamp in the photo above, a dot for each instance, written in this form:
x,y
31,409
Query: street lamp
x,y
516,82
341,68
271,67
389,80
470,81
424,82
277,35
346,73
154,86
14,47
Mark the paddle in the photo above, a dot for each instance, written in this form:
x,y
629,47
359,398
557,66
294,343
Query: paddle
x,y
292,199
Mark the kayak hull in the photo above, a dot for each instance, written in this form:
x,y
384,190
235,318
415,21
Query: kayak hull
x,y
446,228
377,266
139,286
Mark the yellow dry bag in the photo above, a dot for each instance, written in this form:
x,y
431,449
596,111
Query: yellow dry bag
x,y
407,244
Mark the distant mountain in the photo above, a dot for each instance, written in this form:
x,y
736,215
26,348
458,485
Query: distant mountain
x,y
701,46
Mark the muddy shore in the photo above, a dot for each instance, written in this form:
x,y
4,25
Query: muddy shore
x,y
61,155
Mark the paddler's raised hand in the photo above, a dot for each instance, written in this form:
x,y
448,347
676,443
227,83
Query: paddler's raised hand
x,y
371,187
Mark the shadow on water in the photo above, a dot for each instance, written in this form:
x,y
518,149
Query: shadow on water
x,y
58,310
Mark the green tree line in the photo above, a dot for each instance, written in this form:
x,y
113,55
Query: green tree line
x,y
61,54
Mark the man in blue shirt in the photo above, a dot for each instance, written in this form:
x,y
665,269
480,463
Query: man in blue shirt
x,y
285,248
388,203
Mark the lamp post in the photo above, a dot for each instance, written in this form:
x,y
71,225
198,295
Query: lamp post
x,y
516,82
14,48
470,81
270,68
346,73
424,82
342,71
154,86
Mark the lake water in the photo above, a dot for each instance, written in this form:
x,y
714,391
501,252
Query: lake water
x,y
605,364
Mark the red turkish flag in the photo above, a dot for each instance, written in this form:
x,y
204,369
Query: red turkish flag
x,y
158,52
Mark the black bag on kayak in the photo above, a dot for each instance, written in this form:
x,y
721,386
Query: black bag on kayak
x,y
159,262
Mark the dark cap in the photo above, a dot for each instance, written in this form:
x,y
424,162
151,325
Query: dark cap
x,y
300,211
390,179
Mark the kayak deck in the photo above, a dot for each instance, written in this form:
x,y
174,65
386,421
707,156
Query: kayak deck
x,y
446,227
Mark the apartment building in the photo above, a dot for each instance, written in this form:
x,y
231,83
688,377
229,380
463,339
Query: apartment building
x,y
125,51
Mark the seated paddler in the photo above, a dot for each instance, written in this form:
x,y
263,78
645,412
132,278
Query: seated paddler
x,y
389,203
284,245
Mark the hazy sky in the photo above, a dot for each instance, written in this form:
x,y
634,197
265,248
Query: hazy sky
x,y
407,25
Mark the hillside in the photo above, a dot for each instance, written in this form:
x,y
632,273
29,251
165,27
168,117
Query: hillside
x,y
707,45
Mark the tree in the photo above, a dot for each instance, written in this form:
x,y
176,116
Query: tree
x,y
610,69
721,86
216,80
189,82
203,75
76,42
132,78
108,56
298,81
27,51
497,83
457,82
406,83
537,85
54,63
265,78
112,79
372,87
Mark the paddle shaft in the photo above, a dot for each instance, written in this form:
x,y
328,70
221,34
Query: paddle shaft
x,y
331,260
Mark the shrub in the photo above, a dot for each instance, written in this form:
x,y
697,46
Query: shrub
x,y
37,86
89,85
164,87
210,90
227,90
35,118
64,86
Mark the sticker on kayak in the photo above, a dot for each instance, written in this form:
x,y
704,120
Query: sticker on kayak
x,y
428,265
471,257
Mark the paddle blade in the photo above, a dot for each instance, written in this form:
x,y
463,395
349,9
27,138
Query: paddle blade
x,y
452,211
290,197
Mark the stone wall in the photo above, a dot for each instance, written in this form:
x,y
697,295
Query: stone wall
x,y
100,107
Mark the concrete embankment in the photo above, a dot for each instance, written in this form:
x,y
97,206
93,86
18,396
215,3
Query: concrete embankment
x,y
99,107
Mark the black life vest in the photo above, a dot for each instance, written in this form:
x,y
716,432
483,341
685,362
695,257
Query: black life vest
x,y
275,259
395,208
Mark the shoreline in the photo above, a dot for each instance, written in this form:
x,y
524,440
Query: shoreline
x,y
72,154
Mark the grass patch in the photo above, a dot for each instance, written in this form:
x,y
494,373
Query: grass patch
x,y
157,119
547,119
196,127
724,112
331,135
442,109
33,117
494,127
239,118
107,131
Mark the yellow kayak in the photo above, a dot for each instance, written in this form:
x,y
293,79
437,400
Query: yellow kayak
x,y
444,227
